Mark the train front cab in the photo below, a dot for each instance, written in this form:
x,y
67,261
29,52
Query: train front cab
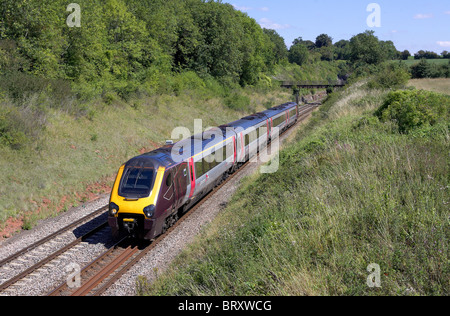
x,y
145,198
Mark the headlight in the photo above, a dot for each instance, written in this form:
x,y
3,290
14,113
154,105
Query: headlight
x,y
149,211
113,209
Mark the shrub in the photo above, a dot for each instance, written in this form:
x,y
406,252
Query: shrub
x,y
414,108
20,86
10,133
237,102
298,54
425,69
20,125
390,76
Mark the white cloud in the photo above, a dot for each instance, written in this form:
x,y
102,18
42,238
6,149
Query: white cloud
x,y
444,44
241,8
246,9
269,24
422,16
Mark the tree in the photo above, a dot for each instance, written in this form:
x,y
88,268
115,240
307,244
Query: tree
x,y
298,54
421,70
280,51
366,48
445,54
425,54
342,50
326,53
124,43
309,44
390,52
405,55
323,40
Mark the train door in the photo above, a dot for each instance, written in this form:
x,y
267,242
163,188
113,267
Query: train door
x,y
271,129
191,186
166,199
235,144
240,148
181,183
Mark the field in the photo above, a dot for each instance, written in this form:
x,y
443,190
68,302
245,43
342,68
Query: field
x,y
413,61
351,192
441,85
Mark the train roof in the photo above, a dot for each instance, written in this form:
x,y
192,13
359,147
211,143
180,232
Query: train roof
x,y
198,143
246,122
255,119
279,109
170,155
160,157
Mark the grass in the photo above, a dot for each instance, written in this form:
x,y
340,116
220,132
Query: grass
x,y
350,191
412,61
71,153
441,85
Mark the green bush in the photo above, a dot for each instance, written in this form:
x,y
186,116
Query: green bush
x,y
19,125
10,133
298,54
20,86
237,102
425,69
414,108
390,76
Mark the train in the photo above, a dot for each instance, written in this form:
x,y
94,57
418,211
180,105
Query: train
x,y
153,190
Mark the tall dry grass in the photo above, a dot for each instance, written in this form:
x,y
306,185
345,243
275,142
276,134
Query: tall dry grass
x,y
351,191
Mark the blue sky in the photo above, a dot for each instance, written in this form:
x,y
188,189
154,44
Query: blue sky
x,y
410,24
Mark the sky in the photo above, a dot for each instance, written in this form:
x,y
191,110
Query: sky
x,y
411,24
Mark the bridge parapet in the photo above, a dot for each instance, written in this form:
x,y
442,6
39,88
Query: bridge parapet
x,y
312,84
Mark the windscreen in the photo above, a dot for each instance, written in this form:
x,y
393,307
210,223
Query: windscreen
x,y
137,182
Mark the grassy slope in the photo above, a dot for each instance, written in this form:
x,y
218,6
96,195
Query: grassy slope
x,y
72,153
351,191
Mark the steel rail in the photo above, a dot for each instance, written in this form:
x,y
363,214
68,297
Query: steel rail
x,y
53,235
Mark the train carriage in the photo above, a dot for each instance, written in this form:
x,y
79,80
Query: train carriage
x,y
282,116
152,190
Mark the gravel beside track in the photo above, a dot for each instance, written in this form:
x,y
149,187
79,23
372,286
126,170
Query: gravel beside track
x,y
41,281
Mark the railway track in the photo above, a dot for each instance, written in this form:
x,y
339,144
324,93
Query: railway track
x,y
112,264
27,254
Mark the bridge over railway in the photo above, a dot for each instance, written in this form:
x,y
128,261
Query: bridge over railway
x,y
312,84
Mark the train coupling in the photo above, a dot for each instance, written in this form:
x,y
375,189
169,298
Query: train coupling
x,y
130,225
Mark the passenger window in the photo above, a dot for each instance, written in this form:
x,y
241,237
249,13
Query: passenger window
x,y
199,169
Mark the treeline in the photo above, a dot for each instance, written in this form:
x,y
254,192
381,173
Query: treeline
x,y
363,51
426,69
131,45
364,47
421,54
